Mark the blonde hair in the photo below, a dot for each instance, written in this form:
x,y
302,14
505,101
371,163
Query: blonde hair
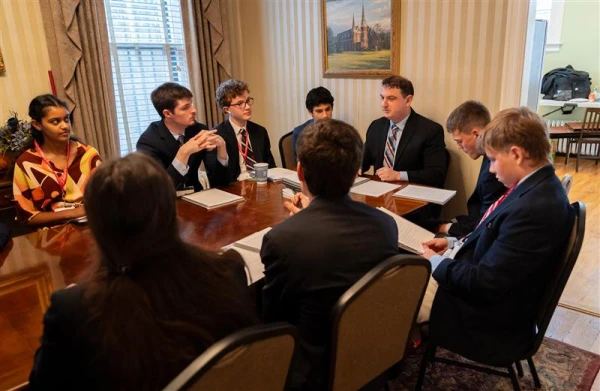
x,y
518,127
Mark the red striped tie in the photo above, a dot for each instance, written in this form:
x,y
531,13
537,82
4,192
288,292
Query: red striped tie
x,y
495,204
246,147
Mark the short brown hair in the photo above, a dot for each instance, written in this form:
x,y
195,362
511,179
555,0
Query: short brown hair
x,y
467,116
330,152
403,84
165,97
520,127
228,90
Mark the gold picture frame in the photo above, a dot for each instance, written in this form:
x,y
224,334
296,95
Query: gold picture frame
x,y
2,67
360,39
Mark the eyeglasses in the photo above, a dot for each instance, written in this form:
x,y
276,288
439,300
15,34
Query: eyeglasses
x,y
242,105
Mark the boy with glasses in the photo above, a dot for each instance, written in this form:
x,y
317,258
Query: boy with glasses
x,y
247,142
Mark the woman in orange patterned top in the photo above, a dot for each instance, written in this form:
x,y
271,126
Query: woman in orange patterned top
x,y
50,177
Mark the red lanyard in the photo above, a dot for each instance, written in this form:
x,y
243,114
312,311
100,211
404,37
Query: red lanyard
x,y
62,181
245,153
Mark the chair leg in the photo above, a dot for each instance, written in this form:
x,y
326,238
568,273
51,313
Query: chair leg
x,y
513,378
568,151
427,358
534,374
519,368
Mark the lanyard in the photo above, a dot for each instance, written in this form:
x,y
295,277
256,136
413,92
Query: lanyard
x,y
62,181
245,153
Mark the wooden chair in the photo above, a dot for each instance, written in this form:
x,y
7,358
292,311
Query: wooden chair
x,y
257,358
589,136
372,321
288,160
554,289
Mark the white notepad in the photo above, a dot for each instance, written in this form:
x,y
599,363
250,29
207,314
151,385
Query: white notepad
x,y
374,188
410,235
278,173
249,249
252,242
359,180
429,194
212,198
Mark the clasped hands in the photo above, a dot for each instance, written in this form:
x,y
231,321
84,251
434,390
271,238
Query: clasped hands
x,y
434,246
298,202
206,139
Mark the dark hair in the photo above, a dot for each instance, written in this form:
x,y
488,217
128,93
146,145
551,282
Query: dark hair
x,y
37,110
404,85
165,97
155,302
228,90
469,115
520,127
330,152
318,96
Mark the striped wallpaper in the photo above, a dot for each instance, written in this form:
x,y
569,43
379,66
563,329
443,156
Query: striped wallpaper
x,y
23,45
451,51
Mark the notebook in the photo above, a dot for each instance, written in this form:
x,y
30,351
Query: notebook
x,y
410,235
373,188
428,194
278,173
249,249
212,198
293,182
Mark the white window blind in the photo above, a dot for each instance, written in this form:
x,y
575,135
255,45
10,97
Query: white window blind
x,y
552,11
147,49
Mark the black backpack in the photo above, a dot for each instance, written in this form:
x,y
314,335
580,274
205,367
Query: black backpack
x,y
566,83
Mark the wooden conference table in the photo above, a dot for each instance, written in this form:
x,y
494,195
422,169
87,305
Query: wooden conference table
x,y
33,266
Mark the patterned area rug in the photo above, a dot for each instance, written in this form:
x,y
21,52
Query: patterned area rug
x,y
560,367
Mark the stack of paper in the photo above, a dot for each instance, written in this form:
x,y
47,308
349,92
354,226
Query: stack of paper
x,y
359,180
292,182
428,194
410,235
374,188
249,249
212,198
278,173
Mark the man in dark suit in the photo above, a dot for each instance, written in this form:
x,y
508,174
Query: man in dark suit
x,y
247,142
465,123
312,258
489,293
403,145
319,104
180,144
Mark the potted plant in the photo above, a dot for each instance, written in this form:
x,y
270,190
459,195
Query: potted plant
x,y
15,137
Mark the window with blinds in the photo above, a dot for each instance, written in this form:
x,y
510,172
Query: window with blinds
x,y
147,49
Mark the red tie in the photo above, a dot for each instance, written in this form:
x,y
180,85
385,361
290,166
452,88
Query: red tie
x,y
495,204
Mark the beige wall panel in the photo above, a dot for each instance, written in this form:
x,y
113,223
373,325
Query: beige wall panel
x,y
25,53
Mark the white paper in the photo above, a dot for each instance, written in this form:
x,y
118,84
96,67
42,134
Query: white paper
x,y
252,242
287,193
255,270
359,180
374,188
410,235
429,194
212,198
278,173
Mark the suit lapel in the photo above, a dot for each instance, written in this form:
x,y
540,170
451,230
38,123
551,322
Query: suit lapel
x,y
254,142
231,139
169,141
407,133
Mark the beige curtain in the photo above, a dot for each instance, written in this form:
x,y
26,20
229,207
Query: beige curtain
x,y
208,54
77,39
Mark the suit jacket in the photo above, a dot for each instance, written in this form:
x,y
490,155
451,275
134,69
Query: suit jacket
x,y
487,191
159,143
70,358
488,295
259,139
312,258
296,133
421,150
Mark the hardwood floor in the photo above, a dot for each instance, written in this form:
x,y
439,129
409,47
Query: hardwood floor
x,y
582,291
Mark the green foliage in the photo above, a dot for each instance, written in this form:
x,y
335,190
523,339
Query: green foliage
x,y
15,134
367,60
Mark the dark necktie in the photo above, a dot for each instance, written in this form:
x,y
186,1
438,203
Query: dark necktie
x,y
181,140
389,154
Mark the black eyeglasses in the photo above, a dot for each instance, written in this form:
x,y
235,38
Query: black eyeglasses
x,y
242,105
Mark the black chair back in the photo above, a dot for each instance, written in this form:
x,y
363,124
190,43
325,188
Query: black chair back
x,y
257,358
288,160
560,276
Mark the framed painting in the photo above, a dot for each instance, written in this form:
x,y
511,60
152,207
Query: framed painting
x,y
360,38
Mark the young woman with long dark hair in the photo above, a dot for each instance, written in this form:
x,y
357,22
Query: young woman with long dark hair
x,y
153,304
50,176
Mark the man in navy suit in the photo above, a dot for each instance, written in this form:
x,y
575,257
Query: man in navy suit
x,y
247,142
180,144
490,289
403,145
313,257
465,123
319,104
